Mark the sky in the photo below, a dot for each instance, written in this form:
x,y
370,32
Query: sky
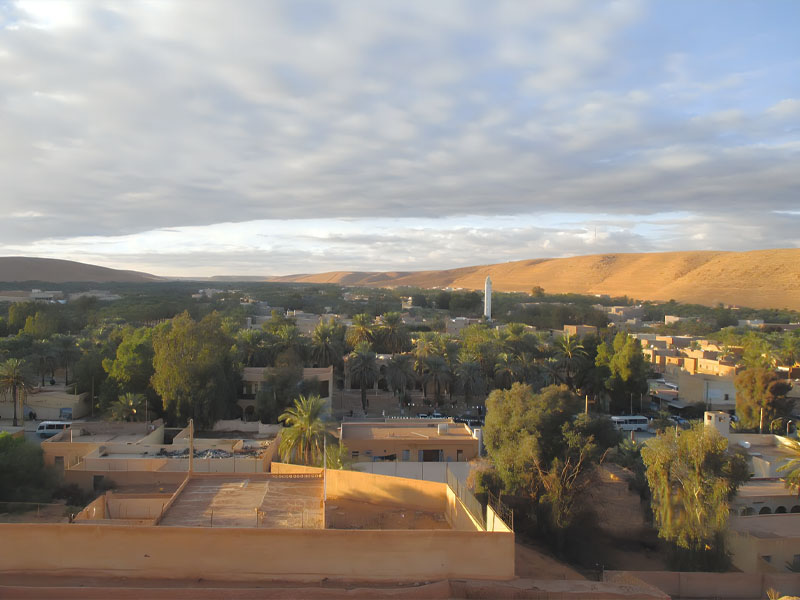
x,y
196,138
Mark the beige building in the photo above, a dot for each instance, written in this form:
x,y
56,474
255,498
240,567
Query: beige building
x,y
765,544
415,440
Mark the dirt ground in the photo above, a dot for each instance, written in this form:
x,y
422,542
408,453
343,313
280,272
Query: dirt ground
x,y
534,563
352,514
46,513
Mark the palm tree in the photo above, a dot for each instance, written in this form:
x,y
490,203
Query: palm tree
x,y
127,407
361,331
363,368
325,346
569,354
400,373
504,370
470,379
42,358
13,378
67,351
438,373
304,437
393,332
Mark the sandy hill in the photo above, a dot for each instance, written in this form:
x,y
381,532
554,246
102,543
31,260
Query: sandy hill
x,y
22,268
758,279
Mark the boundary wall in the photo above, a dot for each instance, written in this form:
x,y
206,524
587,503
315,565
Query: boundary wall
x,y
732,586
254,554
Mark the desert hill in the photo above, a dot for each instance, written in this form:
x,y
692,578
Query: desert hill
x,y
758,279
23,268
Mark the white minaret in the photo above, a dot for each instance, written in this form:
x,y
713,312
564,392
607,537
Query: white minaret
x,y
487,299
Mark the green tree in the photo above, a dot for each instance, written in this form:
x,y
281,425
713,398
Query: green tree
x,y
760,388
327,343
400,373
363,368
132,366
469,376
67,350
23,476
436,372
541,450
194,372
361,331
392,333
569,354
625,370
128,407
13,378
692,479
303,439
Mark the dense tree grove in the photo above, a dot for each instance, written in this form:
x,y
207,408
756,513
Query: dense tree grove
x,y
541,449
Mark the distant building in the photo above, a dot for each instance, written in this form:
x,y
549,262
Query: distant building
x,y
415,440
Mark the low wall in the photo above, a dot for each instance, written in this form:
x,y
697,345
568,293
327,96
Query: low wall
x,y
254,554
495,523
713,585
429,471
458,516
85,479
381,489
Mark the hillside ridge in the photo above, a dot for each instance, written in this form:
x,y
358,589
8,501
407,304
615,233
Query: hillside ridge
x,y
56,270
756,278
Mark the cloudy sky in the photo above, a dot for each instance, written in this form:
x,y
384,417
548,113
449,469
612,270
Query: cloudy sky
x,y
262,137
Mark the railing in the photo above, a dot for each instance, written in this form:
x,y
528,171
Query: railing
x,y
501,510
469,501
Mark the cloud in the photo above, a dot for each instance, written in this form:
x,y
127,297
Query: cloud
x,y
121,122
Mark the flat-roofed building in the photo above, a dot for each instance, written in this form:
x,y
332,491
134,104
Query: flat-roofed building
x,y
765,543
413,440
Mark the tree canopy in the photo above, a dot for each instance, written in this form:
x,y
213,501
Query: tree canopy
x,y
692,477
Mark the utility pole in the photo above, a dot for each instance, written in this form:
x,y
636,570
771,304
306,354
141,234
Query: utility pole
x,y
631,404
191,446
761,421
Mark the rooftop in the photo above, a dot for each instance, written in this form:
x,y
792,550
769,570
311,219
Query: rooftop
x,y
768,526
411,430
757,489
266,500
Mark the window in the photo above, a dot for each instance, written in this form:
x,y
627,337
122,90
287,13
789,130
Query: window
x,y
354,454
406,455
767,557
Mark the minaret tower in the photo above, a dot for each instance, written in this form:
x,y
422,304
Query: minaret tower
x,y
487,299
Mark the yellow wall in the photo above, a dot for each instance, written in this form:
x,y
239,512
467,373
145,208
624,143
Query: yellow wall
x,y
383,489
254,554
458,516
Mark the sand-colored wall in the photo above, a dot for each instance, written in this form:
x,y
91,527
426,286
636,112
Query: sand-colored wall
x,y
715,585
96,509
85,479
747,550
458,516
136,506
382,489
254,554
495,523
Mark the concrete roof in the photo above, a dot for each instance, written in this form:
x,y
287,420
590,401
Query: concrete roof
x,y
768,526
403,431
757,489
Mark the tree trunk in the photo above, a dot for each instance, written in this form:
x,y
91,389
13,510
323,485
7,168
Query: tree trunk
x,y
363,396
14,398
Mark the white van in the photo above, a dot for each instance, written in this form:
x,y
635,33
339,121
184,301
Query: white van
x,y
50,428
632,423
